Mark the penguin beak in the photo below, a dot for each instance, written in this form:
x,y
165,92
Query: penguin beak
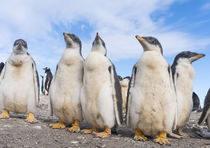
x,y
196,57
66,35
19,46
139,38
97,36
199,55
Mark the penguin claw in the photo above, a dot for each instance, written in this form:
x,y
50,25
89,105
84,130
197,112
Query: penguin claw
x,y
4,114
161,138
90,131
102,135
140,138
74,129
31,118
87,131
139,135
57,125
105,133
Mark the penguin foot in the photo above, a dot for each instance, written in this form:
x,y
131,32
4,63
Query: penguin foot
x,y
139,135
75,127
4,114
181,133
105,133
90,131
31,118
161,138
60,124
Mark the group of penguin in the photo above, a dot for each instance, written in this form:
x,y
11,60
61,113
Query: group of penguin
x,y
158,98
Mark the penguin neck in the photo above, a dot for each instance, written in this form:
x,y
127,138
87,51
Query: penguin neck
x,y
73,49
99,50
184,74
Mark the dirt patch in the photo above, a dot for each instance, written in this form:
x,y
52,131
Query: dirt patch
x,y
15,132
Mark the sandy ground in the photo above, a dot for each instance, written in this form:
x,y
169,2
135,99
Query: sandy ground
x,y
16,132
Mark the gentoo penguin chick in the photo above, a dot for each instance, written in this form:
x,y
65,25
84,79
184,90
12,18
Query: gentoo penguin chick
x,y
196,102
124,88
46,80
19,83
1,66
66,85
101,92
151,101
183,74
205,116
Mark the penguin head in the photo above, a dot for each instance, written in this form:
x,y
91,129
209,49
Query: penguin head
x,y
150,44
188,56
20,46
72,41
99,45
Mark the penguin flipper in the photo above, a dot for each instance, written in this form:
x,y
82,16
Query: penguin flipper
x,y
1,78
50,102
36,82
3,72
206,109
172,83
204,115
131,85
116,94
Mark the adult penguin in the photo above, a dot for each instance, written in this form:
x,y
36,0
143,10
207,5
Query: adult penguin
x,y
19,83
46,80
151,107
101,93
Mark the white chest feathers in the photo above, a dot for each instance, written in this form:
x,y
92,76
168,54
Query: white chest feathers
x,y
184,86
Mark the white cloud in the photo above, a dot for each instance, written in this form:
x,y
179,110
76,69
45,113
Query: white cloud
x,y
206,6
117,22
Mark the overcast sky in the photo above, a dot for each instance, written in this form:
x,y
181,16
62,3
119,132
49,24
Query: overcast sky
x,y
178,24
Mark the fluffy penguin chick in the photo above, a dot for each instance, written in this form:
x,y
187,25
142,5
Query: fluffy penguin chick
x,y
101,93
151,107
66,85
124,87
183,74
19,83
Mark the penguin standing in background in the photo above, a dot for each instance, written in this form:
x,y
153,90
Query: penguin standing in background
x,y
1,66
42,86
196,102
151,101
124,87
101,92
183,74
46,80
66,86
19,83
205,116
